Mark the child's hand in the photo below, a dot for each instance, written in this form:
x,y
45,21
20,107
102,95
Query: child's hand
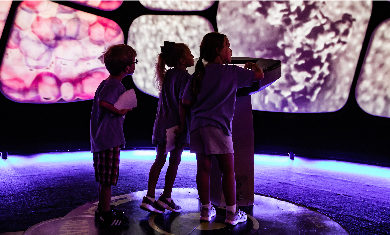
x,y
249,65
252,66
259,74
179,132
123,111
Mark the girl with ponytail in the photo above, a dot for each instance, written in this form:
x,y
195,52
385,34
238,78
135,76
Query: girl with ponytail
x,y
211,96
171,83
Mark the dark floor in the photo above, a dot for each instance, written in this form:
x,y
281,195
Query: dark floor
x,y
267,216
44,187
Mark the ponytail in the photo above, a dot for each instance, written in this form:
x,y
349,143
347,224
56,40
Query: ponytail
x,y
208,51
160,71
170,55
198,76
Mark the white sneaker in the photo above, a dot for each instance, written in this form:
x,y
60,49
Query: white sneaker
x,y
235,218
207,214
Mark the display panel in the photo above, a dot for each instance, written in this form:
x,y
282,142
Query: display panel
x,y
318,43
177,5
106,5
4,8
52,53
147,34
373,89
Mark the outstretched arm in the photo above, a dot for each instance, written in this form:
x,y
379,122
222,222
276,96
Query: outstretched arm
x,y
112,108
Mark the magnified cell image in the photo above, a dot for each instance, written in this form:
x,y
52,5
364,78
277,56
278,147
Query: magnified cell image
x,y
4,8
373,88
147,34
52,53
177,5
106,5
318,43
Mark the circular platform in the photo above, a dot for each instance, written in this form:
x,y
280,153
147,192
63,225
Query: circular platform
x,y
267,216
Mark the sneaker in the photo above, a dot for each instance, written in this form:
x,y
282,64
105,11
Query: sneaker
x,y
163,202
235,218
116,212
207,214
111,220
149,205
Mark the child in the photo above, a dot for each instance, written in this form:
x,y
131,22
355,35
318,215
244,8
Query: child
x,y
211,94
106,131
171,84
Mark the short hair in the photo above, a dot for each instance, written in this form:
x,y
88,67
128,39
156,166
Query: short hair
x,y
117,57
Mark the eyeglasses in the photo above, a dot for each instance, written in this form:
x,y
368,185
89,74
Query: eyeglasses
x,y
134,62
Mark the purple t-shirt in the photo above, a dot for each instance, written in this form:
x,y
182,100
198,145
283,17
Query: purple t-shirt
x,y
106,128
168,104
214,105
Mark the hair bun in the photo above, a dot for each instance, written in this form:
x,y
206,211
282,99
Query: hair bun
x,y
167,48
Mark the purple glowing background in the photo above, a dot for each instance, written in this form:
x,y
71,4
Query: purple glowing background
x,y
262,161
52,53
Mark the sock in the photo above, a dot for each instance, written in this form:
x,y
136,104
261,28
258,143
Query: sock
x,y
150,198
231,208
207,205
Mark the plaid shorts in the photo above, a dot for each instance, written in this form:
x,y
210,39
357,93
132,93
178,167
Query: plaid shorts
x,y
106,165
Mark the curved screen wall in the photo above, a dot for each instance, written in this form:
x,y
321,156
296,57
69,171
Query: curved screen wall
x,y
182,5
373,89
4,8
147,34
52,52
106,5
318,43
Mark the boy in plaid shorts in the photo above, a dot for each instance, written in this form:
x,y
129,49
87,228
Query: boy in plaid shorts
x,y
106,131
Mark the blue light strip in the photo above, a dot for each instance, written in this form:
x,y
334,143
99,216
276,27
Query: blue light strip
x,y
325,165
149,155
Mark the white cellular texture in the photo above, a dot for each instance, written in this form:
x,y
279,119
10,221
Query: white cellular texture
x,y
317,42
107,5
147,34
177,5
373,89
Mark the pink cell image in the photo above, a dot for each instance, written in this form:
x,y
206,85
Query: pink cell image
x,y
52,53
106,5
4,8
48,30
